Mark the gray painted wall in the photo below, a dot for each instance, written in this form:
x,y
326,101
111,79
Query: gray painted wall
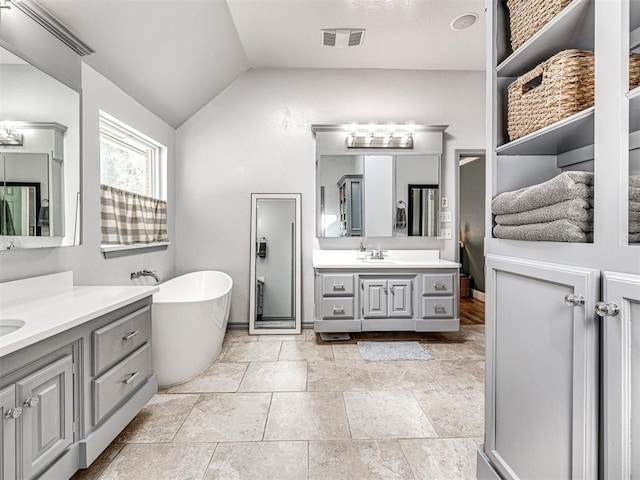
x,y
256,137
472,201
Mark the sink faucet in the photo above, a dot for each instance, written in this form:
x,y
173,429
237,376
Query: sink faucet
x,y
145,273
378,254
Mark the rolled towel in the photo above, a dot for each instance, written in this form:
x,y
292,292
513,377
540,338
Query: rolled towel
x,y
558,231
577,209
634,206
634,181
634,194
634,238
634,216
566,186
634,227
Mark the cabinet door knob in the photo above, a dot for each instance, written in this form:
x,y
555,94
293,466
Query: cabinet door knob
x,y
13,413
573,300
604,309
393,289
31,402
131,335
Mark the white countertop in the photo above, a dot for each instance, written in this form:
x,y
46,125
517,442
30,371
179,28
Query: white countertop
x,y
62,308
393,259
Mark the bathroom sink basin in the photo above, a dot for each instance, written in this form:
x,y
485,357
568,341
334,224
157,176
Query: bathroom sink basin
x,y
9,326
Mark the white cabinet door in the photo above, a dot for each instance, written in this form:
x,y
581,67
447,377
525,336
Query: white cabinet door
x,y
400,298
9,419
47,397
542,370
374,298
620,312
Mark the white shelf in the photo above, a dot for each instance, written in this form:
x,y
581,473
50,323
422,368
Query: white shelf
x,y
568,134
576,18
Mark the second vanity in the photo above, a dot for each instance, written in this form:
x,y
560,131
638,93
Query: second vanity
x,y
73,375
408,290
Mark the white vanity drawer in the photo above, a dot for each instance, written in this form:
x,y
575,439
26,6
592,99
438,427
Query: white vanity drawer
x,y
438,307
115,385
438,284
333,308
336,285
116,340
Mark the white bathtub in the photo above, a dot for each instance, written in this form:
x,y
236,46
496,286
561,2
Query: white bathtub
x,y
189,319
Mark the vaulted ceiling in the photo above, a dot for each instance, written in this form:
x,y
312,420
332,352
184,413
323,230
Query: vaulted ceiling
x,y
174,56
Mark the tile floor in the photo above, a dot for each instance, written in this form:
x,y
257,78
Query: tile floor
x,y
294,407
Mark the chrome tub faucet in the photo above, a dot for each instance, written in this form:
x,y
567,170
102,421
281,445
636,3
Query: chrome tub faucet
x,y
145,273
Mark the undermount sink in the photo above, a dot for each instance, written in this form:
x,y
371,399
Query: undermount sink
x,y
9,326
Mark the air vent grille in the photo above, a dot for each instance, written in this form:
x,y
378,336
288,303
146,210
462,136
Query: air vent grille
x,y
342,37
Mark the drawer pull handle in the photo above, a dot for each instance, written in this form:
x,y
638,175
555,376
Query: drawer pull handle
x,y
13,413
31,402
130,378
440,286
338,286
439,309
338,309
131,335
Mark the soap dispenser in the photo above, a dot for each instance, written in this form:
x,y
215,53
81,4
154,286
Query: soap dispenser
x,y
362,252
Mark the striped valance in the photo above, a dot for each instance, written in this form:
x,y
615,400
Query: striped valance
x,y
129,218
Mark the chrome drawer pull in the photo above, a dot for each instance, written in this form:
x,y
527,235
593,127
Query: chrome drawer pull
x,y
131,377
440,309
131,335
439,286
31,402
338,286
338,309
13,413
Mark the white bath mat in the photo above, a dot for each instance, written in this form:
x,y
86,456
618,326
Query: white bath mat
x,y
381,351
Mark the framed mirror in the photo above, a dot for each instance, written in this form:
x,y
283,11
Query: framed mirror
x,y
371,195
39,157
276,264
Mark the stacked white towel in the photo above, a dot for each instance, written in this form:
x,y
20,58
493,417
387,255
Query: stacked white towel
x,y
634,209
558,210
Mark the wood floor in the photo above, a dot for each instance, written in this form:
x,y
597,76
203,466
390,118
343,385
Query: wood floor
x,y
471,311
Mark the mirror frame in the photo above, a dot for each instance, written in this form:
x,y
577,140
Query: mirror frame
x,y
297,197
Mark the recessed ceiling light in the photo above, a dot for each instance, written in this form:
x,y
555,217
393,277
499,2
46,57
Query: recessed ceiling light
x,y
464,21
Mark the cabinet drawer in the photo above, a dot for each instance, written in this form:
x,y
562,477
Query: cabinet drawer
x,y
337,285
116,340
115,385
438,284
337,308
438,307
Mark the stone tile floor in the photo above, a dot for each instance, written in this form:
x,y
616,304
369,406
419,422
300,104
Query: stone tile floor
x,y
294,407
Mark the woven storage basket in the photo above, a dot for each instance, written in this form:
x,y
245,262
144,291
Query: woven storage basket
x,y
555,89
634,71
526,17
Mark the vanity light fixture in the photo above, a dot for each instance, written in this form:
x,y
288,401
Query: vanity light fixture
x,y
381,136
5,3
9,137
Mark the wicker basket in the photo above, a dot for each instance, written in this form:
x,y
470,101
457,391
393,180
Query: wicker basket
x,y
465,285
526,17
555,89
634,71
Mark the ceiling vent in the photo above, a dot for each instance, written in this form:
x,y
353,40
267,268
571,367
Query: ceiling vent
x,y
342,37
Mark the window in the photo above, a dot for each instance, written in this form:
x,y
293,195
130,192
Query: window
x,y
133,187
129,160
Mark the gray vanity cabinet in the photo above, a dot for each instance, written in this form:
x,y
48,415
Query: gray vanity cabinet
x,y
47,414
10,414
542,369
387,298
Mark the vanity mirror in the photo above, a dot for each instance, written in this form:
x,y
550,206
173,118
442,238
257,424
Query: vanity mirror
x,y
377,187
39,157
274,299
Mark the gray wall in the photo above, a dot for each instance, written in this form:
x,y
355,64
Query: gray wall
x,y
256,137
472,201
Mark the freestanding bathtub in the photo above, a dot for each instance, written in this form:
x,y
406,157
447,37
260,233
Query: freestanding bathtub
x,y
189,320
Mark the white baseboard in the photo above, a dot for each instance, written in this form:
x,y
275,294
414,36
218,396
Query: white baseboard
x,y
477,294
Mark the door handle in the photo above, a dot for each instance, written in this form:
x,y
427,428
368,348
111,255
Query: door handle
x,y
13,413
338,286
604,309
573,300
440,309
338,309
131,335
31,402
130,378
